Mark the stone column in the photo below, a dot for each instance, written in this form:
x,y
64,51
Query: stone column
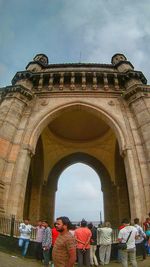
x,y
106,87
138,102
134,187
14,100
17,190
48,202
94,81
72,85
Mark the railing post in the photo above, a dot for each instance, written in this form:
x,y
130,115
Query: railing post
x,y
12,225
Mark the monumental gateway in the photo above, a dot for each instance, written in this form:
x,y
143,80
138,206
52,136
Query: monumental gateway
x,y
54,115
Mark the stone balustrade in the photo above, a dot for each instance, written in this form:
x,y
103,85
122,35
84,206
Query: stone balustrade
x,y
74,79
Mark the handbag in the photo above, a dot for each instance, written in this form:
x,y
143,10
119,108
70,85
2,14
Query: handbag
x,y
123,246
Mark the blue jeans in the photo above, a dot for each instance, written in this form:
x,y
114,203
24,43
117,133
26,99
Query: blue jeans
x,y
24,243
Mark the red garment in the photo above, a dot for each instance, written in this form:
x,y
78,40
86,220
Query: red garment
x,y
55,233
146,225
121,227
83,234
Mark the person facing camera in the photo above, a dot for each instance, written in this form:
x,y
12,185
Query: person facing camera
x,y
64,250
128,235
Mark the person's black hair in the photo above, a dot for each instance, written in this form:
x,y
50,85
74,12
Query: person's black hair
x,y
65,220
45,221
125,221
83,223
136,220
72,226
90,225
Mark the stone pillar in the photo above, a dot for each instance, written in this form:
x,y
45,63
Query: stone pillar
x,y
121,190
94,81
83,80
14,100
72,85
17,190
106,87
116,82
35,183
50,82
107,198
134,187
48,202
61,81
137,101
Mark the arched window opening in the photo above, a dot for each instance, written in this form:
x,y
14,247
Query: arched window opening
x,y
79,194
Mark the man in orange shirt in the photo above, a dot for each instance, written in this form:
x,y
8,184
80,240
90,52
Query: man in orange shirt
x,y
83,236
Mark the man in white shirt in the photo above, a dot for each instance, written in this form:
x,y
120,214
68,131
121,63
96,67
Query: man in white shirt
x,y
25,232
104,239
131,249
140,246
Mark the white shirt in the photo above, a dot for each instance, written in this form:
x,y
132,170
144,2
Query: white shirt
x,y
141,234
104,236
25,230
124,233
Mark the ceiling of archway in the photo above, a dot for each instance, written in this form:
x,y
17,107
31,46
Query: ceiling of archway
x,y
78,125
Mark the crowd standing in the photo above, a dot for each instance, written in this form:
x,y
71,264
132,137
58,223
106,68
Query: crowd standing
x,y
66,244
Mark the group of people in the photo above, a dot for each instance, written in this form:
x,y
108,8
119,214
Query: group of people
x,y
57,241
136,239
66,243
43,239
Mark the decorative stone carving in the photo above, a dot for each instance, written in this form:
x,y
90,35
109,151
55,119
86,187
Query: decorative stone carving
x,y
11,91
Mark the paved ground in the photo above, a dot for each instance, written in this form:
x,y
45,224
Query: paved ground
x,y
12,260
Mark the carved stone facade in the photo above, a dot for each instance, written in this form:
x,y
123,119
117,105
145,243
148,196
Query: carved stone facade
x,y
54,115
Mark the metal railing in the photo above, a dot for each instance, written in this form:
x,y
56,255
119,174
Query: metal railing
x,y
10,226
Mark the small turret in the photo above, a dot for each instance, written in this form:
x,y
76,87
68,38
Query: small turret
x,y
121,63
131,77
39,62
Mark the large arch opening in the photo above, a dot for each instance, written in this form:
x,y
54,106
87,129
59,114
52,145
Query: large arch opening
x,y
79,189
77,134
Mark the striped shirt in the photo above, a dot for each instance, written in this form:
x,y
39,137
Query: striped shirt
x,y
61,248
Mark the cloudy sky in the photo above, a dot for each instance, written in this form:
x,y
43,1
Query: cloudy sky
x,y
66,29
74,31
80,189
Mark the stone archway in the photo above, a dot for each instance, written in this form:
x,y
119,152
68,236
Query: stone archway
x,y
91,148
114,101
109,189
